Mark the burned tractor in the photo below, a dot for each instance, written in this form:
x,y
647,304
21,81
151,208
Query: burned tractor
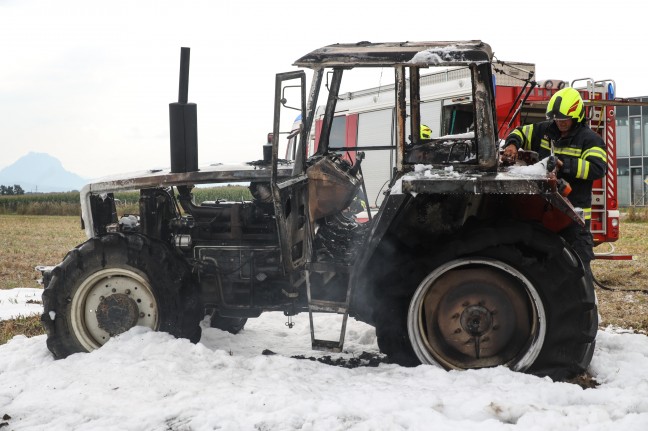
x,y
461,266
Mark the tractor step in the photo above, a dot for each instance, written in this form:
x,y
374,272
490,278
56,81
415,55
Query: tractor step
x,y
326,306
322,306
329,345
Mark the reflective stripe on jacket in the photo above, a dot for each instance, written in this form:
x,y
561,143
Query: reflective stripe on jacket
x,y
582,152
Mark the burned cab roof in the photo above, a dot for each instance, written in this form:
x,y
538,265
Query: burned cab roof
x,y
367,54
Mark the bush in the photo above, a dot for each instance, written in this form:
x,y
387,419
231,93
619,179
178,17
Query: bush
x,y
637,214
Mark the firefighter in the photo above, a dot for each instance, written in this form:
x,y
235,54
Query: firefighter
x,y
358,204
580,158
426,133
425,136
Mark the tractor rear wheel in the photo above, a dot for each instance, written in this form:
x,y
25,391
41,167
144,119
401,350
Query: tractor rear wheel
x,y
518,298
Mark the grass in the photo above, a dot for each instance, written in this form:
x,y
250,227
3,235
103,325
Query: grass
x,y
28,326
627,305
39,229
638,214
27,241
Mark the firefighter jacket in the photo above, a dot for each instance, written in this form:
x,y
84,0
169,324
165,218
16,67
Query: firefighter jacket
x,y
582,152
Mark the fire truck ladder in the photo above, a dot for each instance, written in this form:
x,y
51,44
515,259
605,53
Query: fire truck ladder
x,y
600,98
597,120
328,306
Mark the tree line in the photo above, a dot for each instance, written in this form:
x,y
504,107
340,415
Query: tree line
x,y
11,190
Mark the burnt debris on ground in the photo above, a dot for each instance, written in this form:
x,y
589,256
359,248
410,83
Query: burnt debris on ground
x,y
365,359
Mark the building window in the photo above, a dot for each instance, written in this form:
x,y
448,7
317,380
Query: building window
x,y
644,120
622,133
623,183
638,193
635,136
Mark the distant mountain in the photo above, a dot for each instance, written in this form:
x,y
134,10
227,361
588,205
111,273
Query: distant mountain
x,y
40,172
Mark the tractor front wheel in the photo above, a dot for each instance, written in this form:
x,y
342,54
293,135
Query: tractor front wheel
x,y
111,283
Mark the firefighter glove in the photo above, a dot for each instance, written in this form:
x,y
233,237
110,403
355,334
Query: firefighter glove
x,y
509,155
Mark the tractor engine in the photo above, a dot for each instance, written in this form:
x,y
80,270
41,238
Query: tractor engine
x,y
232,245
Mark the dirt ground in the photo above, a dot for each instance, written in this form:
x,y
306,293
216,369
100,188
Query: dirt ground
x,y
622,288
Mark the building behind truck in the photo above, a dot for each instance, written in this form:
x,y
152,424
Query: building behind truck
x,y
632,154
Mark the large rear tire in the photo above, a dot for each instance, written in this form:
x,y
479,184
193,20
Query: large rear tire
x,y
111,283
514,295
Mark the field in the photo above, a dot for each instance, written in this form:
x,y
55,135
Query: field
x,y
68,203
626,305
39,229
27,241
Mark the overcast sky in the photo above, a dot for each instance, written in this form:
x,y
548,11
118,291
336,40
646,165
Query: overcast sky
x,y
90,82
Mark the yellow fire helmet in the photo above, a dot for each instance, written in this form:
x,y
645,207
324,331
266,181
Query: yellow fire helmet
x,y
566,103
426,132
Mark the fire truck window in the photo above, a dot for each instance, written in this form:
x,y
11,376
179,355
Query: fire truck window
x,y
338,133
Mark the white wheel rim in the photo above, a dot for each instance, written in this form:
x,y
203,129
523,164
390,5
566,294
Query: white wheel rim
x,y
102,284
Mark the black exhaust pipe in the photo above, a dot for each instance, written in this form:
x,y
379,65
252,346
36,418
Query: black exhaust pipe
x,y
183,124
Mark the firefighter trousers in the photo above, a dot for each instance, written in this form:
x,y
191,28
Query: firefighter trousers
x,y
580,238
